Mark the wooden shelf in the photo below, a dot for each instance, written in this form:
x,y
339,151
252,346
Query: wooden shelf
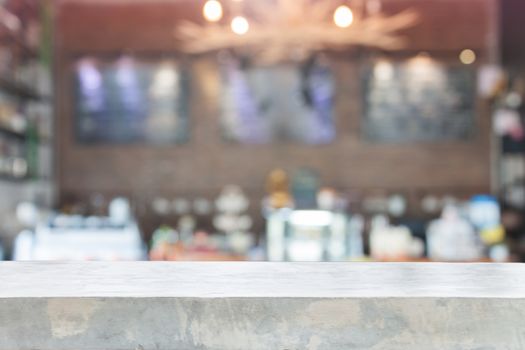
x,y
14,39
19,89
11,40
9,178
12,133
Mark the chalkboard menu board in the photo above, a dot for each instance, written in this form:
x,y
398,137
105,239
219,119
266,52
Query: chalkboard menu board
x,y
418,100
127,100
278,103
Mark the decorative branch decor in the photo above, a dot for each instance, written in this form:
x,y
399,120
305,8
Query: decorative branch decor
x,y
294,29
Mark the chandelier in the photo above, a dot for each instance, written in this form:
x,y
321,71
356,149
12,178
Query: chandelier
x,y
276,30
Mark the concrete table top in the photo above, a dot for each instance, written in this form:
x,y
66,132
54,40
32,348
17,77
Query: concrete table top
x,y
295,280
147,305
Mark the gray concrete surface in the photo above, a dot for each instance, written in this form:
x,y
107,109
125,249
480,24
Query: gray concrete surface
x,y
110,306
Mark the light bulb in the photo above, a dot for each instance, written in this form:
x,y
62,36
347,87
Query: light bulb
x,y
240,25
467,56
212,10
343,16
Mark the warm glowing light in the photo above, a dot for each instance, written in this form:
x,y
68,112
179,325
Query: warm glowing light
x,y
311,218
165,81
383,70
240,25
343,16
212,10
467,56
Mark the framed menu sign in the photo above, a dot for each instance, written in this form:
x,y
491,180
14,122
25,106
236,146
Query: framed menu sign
x,y
127,100
418,100
277,104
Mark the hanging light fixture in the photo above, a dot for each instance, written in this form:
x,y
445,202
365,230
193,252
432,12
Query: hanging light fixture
x,y
295,26
212,11
467,56
343,16
240,25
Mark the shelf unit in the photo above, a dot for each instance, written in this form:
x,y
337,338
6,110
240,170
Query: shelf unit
x,y
13,178
25,92
20,90
17,17
11,133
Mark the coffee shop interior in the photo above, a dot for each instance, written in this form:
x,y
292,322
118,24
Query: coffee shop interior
x,y
262,130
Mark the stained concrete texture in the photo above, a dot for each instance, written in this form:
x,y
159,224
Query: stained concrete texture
x,y
88,306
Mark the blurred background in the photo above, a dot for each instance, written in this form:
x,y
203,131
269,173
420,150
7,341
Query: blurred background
x,y
281,130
